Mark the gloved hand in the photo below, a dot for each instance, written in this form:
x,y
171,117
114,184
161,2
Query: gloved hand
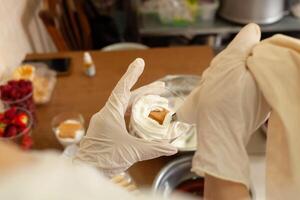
x,y
107,145
227,108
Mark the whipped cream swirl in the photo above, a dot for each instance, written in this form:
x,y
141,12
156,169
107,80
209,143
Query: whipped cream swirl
x,y
144,126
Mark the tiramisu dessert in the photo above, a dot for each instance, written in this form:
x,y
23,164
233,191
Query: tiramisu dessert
x,y
151,117
69,132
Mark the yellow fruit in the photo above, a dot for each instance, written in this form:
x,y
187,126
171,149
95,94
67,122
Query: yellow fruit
x,y
24,72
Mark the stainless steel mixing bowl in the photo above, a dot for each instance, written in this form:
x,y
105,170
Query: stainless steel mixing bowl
x,y
175,173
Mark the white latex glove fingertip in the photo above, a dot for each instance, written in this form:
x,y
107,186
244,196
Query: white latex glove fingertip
x,y
137,66
134,71
139,61
246,38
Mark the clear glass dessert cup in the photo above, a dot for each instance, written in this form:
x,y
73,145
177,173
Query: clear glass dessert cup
x,y
63,117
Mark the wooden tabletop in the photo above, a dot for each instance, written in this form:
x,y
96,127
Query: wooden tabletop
x,y
86,95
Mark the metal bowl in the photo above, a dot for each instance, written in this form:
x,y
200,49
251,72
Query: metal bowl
x,y
173,174
176,172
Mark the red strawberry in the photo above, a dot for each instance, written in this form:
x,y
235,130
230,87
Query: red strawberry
x,y
2,128
10,114
21,120
1,117
27,142
10,131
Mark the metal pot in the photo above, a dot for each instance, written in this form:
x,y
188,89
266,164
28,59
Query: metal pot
x,y
258,11
174,173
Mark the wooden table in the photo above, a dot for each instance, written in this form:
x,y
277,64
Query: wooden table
x,y
86,95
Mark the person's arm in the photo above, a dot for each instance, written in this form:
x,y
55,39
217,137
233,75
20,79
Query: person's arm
x,y
218,189
227,108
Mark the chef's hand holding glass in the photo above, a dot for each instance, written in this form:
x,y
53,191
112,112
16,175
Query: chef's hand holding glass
x,y
107,145
227,108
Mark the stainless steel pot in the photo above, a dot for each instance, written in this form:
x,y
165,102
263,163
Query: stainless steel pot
x,y
175,173
258,11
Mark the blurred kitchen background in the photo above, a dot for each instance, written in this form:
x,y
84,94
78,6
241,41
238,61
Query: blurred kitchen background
x,y
70,25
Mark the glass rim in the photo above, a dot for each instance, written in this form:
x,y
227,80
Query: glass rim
x,y
71,112
173,92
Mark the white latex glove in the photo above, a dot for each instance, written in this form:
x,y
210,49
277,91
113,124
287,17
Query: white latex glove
x,y
107,145
227,108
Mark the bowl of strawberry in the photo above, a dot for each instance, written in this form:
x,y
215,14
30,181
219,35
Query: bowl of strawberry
x,y
16,126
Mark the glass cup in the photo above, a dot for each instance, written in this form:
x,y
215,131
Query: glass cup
x,y
64,117
22,139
